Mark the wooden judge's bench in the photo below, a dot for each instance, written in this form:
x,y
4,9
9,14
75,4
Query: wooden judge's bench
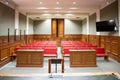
x,y
82,58
29,58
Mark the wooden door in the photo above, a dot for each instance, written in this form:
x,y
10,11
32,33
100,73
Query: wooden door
x,y
57,27
60,27
54,27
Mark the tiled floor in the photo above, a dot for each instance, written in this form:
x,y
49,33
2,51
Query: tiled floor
x,y
93,77
102,66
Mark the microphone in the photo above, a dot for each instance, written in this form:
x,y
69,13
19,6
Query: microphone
x,y
55,75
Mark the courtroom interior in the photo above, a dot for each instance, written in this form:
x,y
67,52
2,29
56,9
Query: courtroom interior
x,y
61,39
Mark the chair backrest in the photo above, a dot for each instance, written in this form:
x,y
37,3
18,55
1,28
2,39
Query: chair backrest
x,y
100,51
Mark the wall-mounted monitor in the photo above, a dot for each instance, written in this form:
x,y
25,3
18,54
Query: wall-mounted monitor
x,y
106,26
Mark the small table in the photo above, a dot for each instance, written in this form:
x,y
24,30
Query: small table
x,y
55,61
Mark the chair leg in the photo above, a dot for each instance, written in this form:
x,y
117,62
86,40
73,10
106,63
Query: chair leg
x,y
106,58
13,58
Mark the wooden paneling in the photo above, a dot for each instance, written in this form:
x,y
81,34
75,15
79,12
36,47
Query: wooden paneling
x,y
8,48
4,54
82,58
84,37
29,38
42,37
111,45
114,52
32,58
66,37
107,44
94,39
102,41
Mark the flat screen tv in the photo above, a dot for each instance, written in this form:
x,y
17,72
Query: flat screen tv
x,y
105,26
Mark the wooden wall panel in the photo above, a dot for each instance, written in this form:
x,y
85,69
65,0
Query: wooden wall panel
x,y
4,54
107,44
8,48
102,41
115,48
94,39
29,38
111,45
84,38
66,37
42,37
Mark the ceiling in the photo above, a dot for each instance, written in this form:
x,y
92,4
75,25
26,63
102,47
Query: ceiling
x,y
71,9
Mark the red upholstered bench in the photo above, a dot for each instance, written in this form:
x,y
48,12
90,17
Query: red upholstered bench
x,y
66,52
50,52
100,52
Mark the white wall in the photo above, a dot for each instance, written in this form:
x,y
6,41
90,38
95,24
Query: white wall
x,y
119,15
92,24
72,26
42,26
30,30
84,26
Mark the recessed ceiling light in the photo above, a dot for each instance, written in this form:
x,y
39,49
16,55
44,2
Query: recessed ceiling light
x,y
69,14
41,8
107,2
40,2
74,2
6,2
57,2
46,14
57,14
73,8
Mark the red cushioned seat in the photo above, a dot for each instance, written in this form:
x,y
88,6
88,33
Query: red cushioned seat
x,y
50,55
52,52
100,50
83,48
66,51
101,55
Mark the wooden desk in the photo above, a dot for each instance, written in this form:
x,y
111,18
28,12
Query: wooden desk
x,y
30,58
82,58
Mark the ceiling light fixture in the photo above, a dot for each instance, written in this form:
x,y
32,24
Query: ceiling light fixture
x,y
46,14
73,8
57,14
107,2
41,8
69,14
6,2
40,2
57,2
74,2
